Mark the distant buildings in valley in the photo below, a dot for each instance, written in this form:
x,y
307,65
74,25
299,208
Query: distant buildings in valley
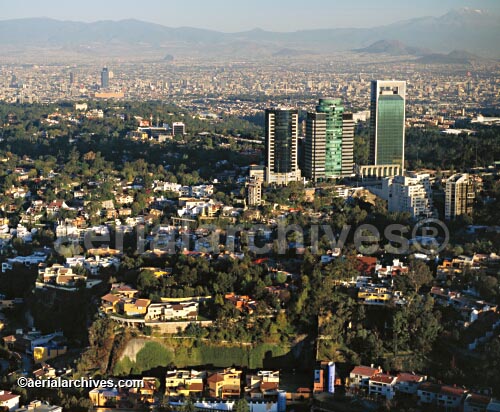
x,y
104,78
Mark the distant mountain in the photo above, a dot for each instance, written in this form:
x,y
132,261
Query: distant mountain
x,y
466,29
393,47
454,57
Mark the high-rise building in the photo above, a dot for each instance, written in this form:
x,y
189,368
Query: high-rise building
x,y
314,151
178,128
254,192
329,142
459,196
256,172
71,78
348,126
104,78
281,145
333,110
387,123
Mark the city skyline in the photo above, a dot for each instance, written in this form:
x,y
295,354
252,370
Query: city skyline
x,y
225,16
197,215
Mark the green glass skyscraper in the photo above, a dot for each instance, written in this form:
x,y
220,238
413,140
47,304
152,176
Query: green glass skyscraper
x,y
329,142
333,110
387,123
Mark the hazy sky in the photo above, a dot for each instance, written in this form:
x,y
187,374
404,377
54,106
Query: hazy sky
x,y
238,15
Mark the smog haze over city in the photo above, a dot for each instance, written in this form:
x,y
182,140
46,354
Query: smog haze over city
x,y
250,206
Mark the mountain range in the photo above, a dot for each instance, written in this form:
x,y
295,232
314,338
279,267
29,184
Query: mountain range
x,y
464,29
394,48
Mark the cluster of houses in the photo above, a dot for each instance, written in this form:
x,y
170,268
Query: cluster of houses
x,y
129,398
61,276
37,345
193,200
373,381
450,268
210,390
375,283
123,305
35,258
242,303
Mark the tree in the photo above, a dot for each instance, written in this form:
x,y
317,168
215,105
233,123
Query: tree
x,y
419,274
400,335
147,282
241,405
188,405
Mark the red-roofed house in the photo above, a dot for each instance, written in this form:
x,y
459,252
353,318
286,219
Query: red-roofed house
x,y
225,384
450,397
109,303
361,375
9,400
427,392
408,382
55,206
382,385
476,403
366,265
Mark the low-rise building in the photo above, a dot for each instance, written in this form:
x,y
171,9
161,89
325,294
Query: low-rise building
x,y
263,385
427,393
476,403
361,375
184,382
9,400
450,397
409,382
374,295
225,384
101,397
39,406
382,385
169,311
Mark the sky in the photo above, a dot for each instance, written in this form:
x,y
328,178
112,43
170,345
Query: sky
x,y
240,15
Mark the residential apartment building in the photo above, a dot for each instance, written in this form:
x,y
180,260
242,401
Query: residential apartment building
x,y
254,192
178,129
459,196
411,193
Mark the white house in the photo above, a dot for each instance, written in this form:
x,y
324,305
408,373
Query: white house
x,y
382,385
409,382
9,400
